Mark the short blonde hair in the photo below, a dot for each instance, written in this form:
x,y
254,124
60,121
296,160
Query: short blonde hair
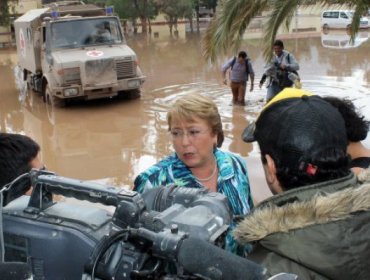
x,y
199,106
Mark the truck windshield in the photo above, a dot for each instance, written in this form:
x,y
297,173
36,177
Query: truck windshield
x,y
78,33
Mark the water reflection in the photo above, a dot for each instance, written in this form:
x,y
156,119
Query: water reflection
x,y
11,117
341,39
89,141
112,140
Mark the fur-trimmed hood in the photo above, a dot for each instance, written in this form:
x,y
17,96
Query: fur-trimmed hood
x,y
364,176
321,208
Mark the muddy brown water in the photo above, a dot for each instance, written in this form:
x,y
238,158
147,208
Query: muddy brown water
x,y
111,141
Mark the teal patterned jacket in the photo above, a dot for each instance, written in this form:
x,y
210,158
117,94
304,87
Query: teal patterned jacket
x,y
232,181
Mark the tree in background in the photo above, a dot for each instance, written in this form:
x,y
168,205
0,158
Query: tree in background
x,y
4,13
195,4
208,4
145,10
7,16
131,10
233,17
125,10
174,10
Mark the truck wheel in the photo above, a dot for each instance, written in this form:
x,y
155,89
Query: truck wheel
x,y
134,94
129,94
52,100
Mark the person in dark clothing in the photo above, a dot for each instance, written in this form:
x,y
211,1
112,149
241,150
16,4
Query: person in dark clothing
x,y
317,225
285,68
18,155
357,129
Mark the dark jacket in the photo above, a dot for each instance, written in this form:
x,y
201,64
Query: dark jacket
x,y
320,231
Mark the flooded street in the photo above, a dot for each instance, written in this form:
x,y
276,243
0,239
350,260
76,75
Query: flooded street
x,y
112,140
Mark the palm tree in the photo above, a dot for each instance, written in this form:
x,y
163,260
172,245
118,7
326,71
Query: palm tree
x,y
4,13
233,17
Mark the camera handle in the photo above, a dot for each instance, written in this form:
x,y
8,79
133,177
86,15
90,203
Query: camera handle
x,y
46,183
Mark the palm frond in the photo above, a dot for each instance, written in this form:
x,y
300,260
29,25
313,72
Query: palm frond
x,y
282,12
229,24
226,30
361,8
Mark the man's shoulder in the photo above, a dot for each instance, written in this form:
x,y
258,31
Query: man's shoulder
x,y
231,60
288,54
306,202
308,192
228,63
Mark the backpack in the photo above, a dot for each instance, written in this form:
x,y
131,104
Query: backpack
x,y
246,64
283,76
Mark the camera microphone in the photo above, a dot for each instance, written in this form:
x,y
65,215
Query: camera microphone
x,y
207,260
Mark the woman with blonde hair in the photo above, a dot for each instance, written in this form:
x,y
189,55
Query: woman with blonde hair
x,y
195,128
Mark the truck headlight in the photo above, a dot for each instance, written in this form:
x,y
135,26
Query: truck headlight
x,y
70,92
133,83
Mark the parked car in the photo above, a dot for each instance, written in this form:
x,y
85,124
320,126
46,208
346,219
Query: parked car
x,y
340,19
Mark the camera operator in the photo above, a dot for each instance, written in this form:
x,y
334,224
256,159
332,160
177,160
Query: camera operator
x,y
286,67
317,224
18,155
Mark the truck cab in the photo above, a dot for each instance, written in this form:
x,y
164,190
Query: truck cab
x,y
76,52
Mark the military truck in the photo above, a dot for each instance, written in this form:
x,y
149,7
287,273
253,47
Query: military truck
x,y
76,51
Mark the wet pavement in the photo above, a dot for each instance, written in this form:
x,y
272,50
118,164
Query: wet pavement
x,y
112,140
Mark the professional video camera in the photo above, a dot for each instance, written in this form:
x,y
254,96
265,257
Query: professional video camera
x,y
165,233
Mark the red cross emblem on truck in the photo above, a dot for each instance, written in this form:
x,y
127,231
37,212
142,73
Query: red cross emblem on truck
x,y
94,53
22,43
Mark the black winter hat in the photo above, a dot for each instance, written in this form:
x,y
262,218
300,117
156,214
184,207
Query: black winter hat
x,y
297,125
